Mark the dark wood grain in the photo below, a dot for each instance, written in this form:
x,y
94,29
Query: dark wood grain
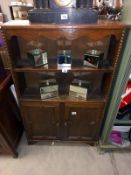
x,y
10,122
100,24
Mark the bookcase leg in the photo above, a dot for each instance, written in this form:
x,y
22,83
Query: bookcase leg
x,y
15,155
100,150
30,142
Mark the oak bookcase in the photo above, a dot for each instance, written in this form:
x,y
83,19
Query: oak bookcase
x,y
64,117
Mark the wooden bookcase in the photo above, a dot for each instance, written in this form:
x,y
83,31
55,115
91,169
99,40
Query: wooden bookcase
x,y
64,117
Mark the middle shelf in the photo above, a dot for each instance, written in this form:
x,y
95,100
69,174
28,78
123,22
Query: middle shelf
x,y
77,65
47,68
58,85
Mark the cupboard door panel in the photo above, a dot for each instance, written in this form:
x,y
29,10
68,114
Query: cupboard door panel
x,y
42,121
83,121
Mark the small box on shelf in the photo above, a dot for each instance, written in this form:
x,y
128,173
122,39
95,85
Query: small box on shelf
x,y
48,89
93,58
64,59
79,89
120,136
78,92
37,57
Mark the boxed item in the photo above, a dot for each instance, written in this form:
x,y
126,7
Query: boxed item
x,y
78,92
79,89
93,58
120,139
48,89
120,136
37,57
64,59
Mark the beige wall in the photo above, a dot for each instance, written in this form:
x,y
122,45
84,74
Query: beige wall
x,y
5,9
127,11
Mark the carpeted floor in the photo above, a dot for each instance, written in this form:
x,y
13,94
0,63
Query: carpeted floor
x,y
64,159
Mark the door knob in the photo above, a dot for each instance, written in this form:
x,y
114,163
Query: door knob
x,y
73,113
65,124
57,124
92,123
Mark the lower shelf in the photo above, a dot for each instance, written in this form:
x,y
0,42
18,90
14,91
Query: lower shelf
x,y
63,98
107,147
123,122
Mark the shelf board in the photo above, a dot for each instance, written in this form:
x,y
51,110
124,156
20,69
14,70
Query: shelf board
x,y
34,94
122,122
77,65
62,98
111,146
43,69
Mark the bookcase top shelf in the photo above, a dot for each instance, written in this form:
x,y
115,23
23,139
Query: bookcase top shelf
x,y
101,24
76,69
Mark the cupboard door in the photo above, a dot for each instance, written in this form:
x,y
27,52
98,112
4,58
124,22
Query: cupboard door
x,y
41,120
83,121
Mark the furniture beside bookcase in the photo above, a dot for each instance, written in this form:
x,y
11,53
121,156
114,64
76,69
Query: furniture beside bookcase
x,y
120,84
11,127
3,51
64,118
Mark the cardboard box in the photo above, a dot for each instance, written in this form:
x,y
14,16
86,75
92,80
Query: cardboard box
x,y
94,59
48,89
64,59
37,57
78,92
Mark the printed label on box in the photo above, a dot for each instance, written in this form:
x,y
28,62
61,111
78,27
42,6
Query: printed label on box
x,y
78,92
64,16
49,91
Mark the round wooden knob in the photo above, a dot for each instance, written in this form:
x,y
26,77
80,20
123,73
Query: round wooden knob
x,y
65,124
57,124
92,123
